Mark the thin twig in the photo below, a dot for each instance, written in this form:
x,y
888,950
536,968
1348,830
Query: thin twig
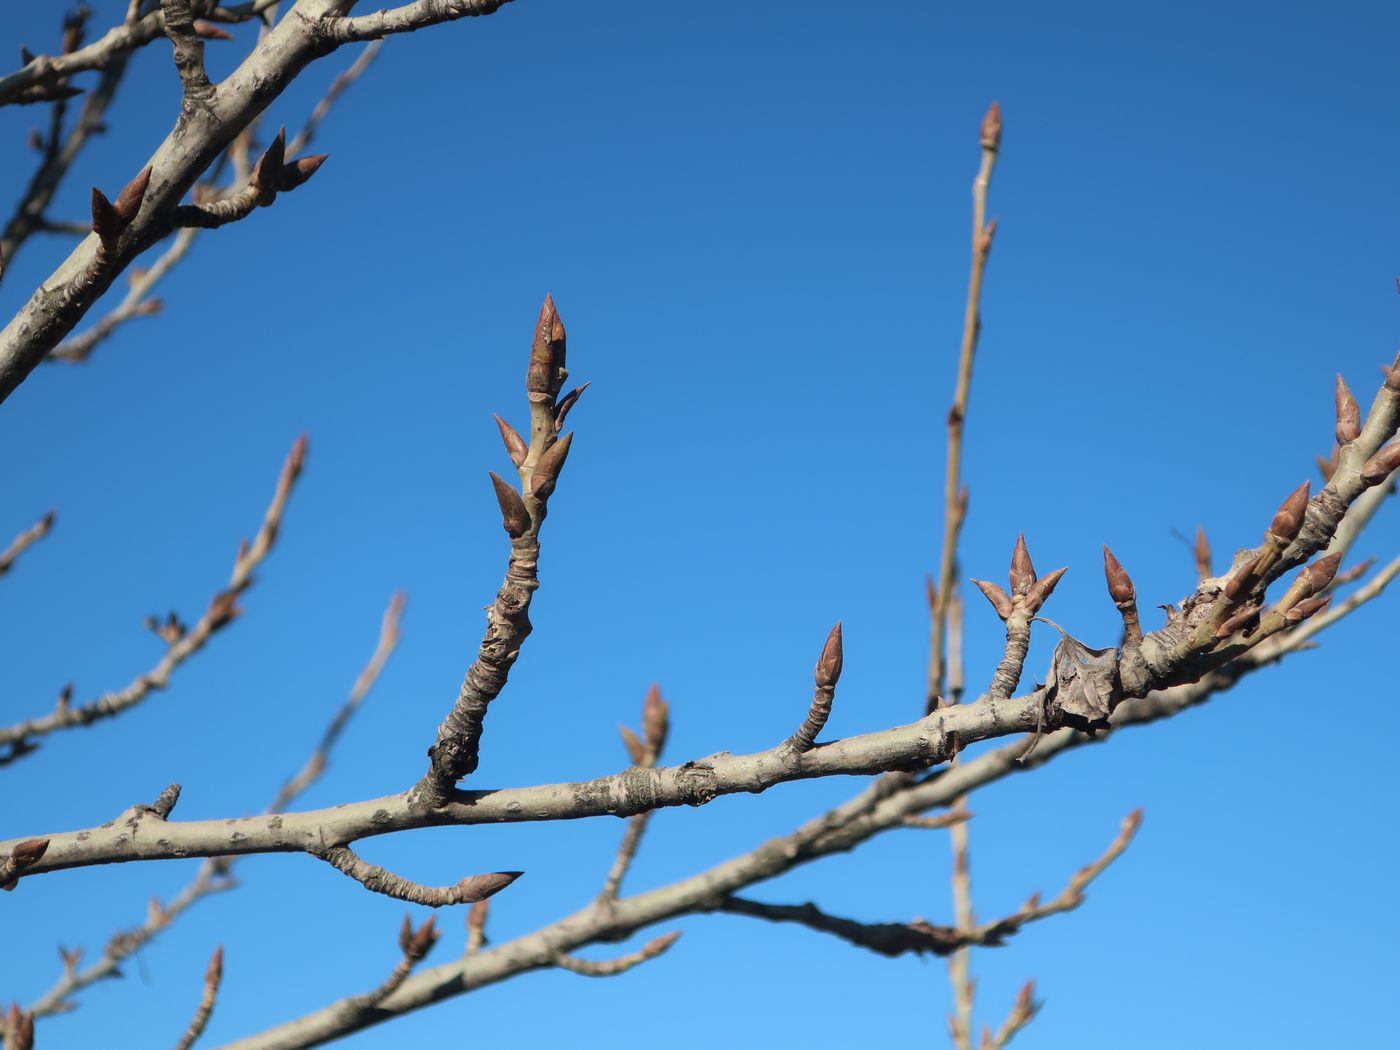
x,y
212,976
25,540
954,496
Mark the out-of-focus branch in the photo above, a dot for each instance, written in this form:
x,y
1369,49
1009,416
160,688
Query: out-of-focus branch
x,y
613,967
1022,1013
57,155
414,946
316,764
25,540
19,738
215,874
954,495
43,74
212,976
18,1029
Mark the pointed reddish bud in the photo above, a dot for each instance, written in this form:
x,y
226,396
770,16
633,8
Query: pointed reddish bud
x,y
1392,375
633,744
267,172
1308,607
1380,466
1289,519
1000,600
149,307
656,719
515,444
26,56
478,887
405,934
1328,466
1348,414
514,517
548,468
1170,610
567,402
546,352
214,973
1120,584
1022,571
105,222
991,127
300,171
829,664
128,202
1202,553
931,592
209,31
963,498
28,853
1319,574
1042,589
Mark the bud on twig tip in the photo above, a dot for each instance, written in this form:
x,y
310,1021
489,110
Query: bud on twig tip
x,y
1120,584
829,664
991,127
1022,571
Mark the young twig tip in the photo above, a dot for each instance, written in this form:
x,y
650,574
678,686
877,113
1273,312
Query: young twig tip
x,y
214,972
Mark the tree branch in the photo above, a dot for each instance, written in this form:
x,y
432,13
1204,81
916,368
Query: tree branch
x,y
181,644
25,540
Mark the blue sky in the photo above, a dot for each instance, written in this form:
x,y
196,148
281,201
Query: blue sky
x,y
754,221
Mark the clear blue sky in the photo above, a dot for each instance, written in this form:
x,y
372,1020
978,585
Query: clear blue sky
x,y
754,220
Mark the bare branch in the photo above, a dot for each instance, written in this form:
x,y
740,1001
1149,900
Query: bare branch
x,y
613,967
379,880
25,540
405,19
212,976
221,611
954,496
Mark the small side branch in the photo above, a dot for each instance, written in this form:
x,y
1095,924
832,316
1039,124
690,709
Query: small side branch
x,y
212,976
827,674
380,880
189,50
406,19
613,967
644,751
25,540
414,946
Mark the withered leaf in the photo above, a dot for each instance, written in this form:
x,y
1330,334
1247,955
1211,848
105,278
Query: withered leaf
x,y
1084,683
